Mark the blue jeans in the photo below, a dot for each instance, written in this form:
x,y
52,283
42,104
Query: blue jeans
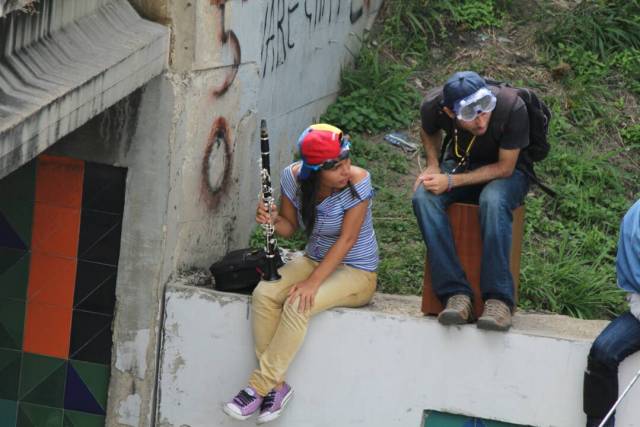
x,y
618,340
497,200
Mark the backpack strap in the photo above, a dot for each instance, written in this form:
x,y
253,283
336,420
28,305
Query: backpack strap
x,y
506,99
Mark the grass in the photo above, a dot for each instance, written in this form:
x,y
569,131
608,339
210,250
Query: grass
x,y
375,95
584,62
401,252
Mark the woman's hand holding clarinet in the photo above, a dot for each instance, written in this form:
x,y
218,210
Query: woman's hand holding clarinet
x,y
262,213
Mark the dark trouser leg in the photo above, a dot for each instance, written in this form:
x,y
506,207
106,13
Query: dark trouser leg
x,y
447,275
617,341
497,201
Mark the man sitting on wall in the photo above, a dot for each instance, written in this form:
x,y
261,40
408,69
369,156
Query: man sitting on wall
x,y
483,164
621,337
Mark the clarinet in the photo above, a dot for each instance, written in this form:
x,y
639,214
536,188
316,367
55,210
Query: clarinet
x,y
270,272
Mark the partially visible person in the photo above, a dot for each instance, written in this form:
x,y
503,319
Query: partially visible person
x,y
621,337
331,200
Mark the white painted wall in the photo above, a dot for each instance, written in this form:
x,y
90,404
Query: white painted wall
x,y
366,367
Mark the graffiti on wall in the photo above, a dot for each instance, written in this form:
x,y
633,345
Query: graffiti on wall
x,y
357,11
227,37
277,40
216,165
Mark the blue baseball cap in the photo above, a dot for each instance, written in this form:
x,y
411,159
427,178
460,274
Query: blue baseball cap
x,y
461,85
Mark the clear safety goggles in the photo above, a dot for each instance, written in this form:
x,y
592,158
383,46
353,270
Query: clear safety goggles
x,y
482,101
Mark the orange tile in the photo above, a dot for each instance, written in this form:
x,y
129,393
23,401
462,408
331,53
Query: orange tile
x,y
47,330
59,181
55,230
51,280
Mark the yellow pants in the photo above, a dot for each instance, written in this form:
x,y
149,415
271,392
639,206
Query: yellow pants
x,y
279,329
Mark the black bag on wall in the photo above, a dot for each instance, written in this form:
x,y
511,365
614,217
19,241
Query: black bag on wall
x,y
240,270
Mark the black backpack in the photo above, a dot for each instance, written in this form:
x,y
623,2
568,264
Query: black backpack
x,y
240,270
539,118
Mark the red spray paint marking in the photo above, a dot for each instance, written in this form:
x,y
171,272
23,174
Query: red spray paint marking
x,y
218,135
227,37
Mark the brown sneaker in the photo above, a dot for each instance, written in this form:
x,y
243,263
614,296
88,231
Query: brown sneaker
x,y
457,312
496,316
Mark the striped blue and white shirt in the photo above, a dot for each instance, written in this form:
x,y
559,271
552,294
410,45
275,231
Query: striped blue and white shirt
x,y
330,214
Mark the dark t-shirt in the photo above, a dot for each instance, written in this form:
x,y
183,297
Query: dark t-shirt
x,y
510,133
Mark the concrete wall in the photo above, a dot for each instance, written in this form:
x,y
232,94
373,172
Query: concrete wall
x,y
190,141
7,6
66,63
133,134
380,366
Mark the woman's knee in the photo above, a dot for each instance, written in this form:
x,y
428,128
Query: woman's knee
x,y
291,313
263,293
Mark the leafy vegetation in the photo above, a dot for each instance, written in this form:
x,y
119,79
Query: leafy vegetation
x,y
410,26
375,96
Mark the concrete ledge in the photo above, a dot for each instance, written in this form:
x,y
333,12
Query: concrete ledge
x,y
380,365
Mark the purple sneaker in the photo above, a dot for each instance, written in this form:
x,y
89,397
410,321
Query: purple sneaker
x,y
245,404
274,403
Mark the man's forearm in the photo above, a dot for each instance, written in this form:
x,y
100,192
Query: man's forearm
x,y
482,175
431,144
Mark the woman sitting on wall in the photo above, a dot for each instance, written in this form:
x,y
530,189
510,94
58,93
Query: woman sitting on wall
x,y
330,199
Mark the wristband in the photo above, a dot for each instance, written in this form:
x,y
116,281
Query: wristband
x,y
449,182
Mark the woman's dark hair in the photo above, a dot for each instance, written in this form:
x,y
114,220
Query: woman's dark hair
x,y
308,195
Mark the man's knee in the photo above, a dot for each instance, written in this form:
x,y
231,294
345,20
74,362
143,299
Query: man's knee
x,y
601,357
423,199
493,197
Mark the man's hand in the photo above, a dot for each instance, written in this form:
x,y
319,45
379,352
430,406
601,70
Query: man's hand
x,y
437,183
306,292
430,170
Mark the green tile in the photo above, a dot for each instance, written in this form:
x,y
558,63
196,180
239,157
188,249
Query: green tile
x,y
82,419
8,410
490,423
9,373
19,214
42,380
11,323
19,185
14,273
8,257
38,416
96,378
441,419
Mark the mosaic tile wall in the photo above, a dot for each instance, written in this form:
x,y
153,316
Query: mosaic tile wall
x,y
441,419
60,226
